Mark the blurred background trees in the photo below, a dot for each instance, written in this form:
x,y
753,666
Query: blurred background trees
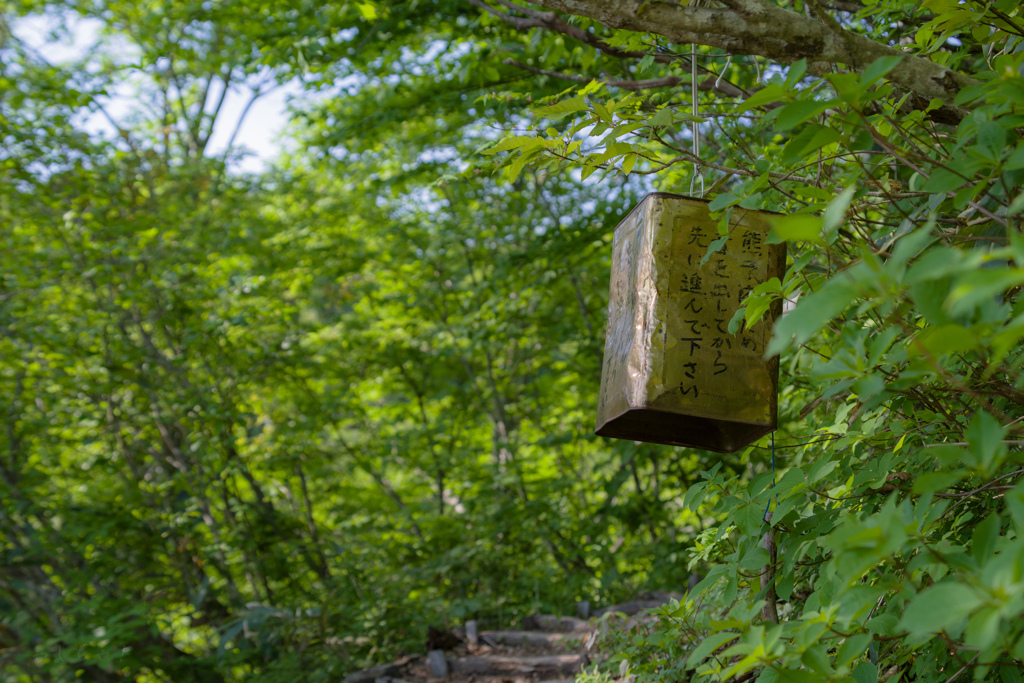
x,y
264,423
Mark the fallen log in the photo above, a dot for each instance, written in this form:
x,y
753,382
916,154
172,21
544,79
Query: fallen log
x,y
527,638
551,622
554,665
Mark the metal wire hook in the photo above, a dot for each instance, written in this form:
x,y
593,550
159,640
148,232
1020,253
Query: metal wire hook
x,y
722,72
697,174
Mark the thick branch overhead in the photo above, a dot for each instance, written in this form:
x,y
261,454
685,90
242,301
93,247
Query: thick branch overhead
x,y
757,27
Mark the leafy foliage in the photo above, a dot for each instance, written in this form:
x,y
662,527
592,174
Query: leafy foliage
x,y
892,549
279,422
261,424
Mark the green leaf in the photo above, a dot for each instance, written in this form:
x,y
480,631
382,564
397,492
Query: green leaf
x,y
852,648
821,468
785,506
980,285
737,318
944,339
796,72
816,659
812,312
517,166
835,213
722,201
938,607
993,136
618,131
709,645
948,455
798,676
795,228
694,496
602,112
793,477
879,68
1016,159
664,117
983,627
883,624
865,672
983,542
506,144
755,559
750,518
367,10
1016,206
933,482
713,248
712,579
766,95
942,180
560,109
795,113
971,92
758,302
985,440
811,139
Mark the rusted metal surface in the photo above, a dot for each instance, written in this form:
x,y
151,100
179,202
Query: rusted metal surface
x,y
672,372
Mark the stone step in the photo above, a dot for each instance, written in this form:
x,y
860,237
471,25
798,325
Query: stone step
x,y
551,622
497,665
632,607
544,638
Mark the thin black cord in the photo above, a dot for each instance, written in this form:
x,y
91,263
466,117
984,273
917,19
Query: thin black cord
x,y
764,517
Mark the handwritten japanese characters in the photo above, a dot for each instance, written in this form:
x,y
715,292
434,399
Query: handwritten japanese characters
x,y
709,295
672,371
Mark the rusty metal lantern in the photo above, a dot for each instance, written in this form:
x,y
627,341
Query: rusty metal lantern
x,y
673,374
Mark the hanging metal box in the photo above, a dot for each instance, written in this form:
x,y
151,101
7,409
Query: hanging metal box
x,y
672,372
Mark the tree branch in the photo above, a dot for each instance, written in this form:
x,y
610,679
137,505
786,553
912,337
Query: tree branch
x,y
208,133
761,28
552,22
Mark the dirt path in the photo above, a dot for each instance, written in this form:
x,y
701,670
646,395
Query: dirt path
x,y
546,649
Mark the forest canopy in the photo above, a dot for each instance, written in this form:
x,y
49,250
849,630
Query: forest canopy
x,y
271,424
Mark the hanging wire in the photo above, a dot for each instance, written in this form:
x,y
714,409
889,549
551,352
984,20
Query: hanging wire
x,y
765,515
697,173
